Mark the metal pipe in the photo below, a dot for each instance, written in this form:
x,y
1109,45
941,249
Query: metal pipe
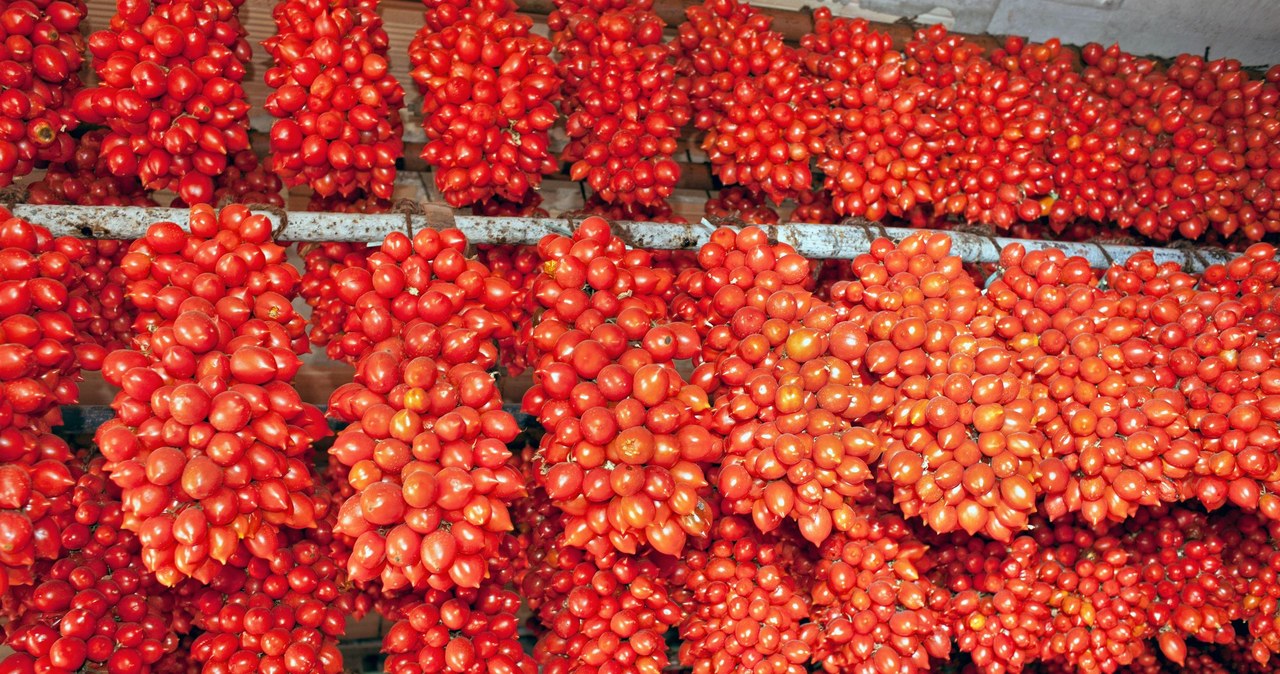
x,y
817,241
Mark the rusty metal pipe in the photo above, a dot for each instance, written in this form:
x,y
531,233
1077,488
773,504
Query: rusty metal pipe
x,y
811,240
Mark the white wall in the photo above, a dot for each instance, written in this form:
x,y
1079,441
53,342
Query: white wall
x,y
1248,30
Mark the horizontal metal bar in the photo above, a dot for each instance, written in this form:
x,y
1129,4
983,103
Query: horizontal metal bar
x,y
843,241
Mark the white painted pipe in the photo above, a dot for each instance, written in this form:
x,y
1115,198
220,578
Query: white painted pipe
x,y
843,241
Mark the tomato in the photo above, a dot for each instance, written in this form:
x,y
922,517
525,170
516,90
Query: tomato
x,y
253,365
382,503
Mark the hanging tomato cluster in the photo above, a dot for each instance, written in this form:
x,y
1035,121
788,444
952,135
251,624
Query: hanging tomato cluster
x,y
530,206
427,444
86,180
625,102
95,607
632,212
43,52
743,569
169,91
44,319
283,613
246,181
1197,144
338,127
424,464
993,130
319,287
489,90
752,96
211,442
622,452
474,631
882,147
736,204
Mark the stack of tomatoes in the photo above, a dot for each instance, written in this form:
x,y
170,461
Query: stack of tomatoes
x,y
338,106
211,443
489,89
43,52
169,91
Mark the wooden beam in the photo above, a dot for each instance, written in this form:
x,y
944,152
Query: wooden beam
x,y
693,176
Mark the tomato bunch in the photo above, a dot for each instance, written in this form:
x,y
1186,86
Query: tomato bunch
x,y
85,180
607,614
211,442
747,604
625,102
109,316
42,54
338,127
877,607
530,206
990,126
489,90
816,207
33,484
322,262
95,606
426,453
780,372
472,631
758,105
169,92
622,453
884,145
963,450
1083,145
246,181
284,613
632,212
740,205
45,316
1195,144
519,266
